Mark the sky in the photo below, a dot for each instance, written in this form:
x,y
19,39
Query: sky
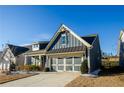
x,y
22,25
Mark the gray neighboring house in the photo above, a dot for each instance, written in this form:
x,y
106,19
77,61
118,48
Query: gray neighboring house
x,y
66,51
12,54
4,65
121,49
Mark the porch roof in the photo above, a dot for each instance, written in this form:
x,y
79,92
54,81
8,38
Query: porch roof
x,y
38,52
69,49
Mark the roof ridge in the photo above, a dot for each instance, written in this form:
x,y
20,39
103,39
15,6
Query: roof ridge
x,y
91,35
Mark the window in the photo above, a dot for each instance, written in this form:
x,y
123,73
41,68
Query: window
x,y
76,68
64,39
69,68
35,45
68,60
60,67
60,61
77,60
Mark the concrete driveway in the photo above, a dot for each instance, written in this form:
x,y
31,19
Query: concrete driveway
x,y
44,79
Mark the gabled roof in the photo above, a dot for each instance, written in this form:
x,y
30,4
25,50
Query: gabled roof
x,y
68,29
121,33
43,44
90,38
17,50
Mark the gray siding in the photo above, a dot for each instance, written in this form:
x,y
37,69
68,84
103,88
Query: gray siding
x,y
72,42
95,56
121,54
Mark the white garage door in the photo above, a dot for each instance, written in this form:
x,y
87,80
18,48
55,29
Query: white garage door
x,y
69,64
66,64
77,63
60,64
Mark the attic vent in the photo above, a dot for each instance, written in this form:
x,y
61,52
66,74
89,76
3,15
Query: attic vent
x,y
63,29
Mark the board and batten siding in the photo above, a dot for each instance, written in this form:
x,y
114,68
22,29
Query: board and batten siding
x,y
95,55
72,42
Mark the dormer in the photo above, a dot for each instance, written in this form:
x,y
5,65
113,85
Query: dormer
x,y
35,46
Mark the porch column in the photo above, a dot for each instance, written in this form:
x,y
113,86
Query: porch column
x,y
40,61
89,68
25,63
47,62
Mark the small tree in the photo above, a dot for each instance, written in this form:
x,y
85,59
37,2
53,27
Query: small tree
x,y
84,67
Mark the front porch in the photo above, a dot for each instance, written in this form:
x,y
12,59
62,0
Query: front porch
x,y
36,59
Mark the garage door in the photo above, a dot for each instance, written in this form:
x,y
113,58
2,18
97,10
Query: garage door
x,y
60,64
57,64
77,63
69,64
66,64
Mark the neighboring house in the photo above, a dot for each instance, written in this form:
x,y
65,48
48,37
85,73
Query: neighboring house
x,y
12,54
66,51
1,54
121,49
4,65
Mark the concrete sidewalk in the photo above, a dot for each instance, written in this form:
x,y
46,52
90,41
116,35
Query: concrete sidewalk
x,y
44,79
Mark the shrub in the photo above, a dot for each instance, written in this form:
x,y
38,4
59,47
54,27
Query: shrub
x,y
84,67
12,67
29,68
46,69
34,68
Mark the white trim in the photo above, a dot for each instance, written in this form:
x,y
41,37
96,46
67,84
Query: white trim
x,y
73,64
79,38
88,60
64,64
56,64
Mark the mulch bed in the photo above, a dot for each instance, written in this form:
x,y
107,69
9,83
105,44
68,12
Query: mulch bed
x,y
8,78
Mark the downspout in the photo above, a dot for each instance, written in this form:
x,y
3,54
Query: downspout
x,y
89,67
88,59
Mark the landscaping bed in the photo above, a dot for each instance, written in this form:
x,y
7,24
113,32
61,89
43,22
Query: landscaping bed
x,y
108,78
12,77
103,81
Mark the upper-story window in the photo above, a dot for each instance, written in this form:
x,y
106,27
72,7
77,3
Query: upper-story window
x,y
64,39
35,47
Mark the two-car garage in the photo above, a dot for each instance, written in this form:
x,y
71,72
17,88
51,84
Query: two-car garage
x,y
66,64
